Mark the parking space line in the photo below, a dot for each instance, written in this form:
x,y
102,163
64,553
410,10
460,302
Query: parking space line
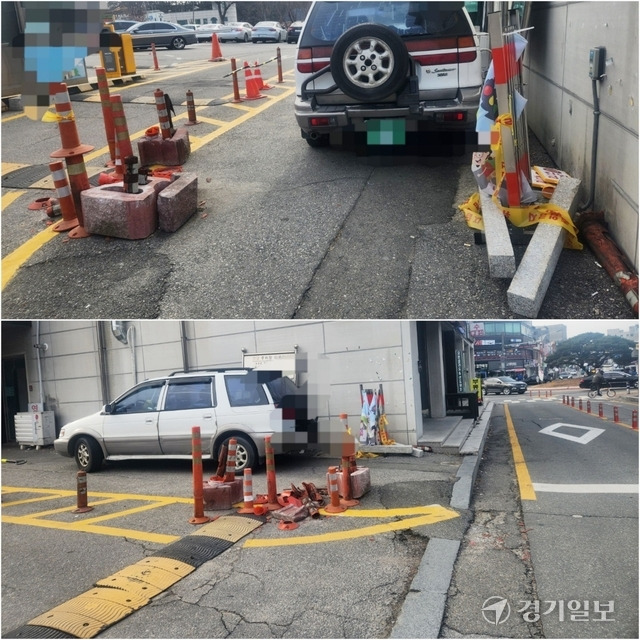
x,y
527,491
11,197
89,525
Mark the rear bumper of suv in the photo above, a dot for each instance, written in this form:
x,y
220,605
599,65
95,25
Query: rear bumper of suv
x,y
459,114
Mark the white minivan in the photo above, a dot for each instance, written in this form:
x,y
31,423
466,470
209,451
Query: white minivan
x,y
416,65
155,418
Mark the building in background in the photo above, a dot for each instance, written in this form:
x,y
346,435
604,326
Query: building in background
x,y
506,348
72,368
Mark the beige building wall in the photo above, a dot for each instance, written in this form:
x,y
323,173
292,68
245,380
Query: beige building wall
x,y
560,103
335,358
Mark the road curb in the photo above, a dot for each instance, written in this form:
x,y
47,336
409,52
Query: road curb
x,y
423,609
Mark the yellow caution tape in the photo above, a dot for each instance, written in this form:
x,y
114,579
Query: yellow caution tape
x,y
526,216
52,116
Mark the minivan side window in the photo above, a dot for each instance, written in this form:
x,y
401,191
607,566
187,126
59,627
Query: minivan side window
x,y
245,391
140,400
188,394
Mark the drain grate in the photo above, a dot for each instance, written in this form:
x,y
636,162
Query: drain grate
x,y
23,178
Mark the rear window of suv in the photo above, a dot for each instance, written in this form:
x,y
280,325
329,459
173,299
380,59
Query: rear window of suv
x,y
331,19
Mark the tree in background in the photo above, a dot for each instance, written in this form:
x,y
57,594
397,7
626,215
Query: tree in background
x,y
591,351
285,12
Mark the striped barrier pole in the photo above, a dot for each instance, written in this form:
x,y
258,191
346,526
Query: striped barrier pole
x,y
107,112
156,66
236,88
65,198
191,109
634,419
123,141
247,488
230,474
198,484
573,401
600,410
79,182
580,404
334,492
82,498
347,495
616,416
163,114
588,406
272,491
279,58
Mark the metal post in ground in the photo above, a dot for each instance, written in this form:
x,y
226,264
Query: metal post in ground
x,y
616,416
272,492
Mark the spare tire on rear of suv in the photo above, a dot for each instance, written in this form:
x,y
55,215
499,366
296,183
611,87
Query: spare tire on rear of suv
x,y
369,62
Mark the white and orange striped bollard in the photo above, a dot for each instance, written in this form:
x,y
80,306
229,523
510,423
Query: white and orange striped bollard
x,y
65,198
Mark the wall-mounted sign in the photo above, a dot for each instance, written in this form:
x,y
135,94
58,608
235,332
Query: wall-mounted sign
x,y
284,361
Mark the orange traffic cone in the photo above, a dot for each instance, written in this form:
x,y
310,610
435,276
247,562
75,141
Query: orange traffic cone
x,y
258,77
251,87
216,53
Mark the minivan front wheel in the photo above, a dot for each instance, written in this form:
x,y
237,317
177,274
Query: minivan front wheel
x,y
88,454
369,62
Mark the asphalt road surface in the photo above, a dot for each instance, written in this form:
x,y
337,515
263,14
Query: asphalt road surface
x,y
281,230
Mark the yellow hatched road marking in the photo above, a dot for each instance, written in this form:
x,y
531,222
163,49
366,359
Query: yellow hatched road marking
x,y
527,492
81,527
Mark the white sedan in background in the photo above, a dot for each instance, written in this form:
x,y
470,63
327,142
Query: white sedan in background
x,y
236,32
268,31
205,31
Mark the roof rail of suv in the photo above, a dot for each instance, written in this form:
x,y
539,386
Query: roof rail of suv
x,y
208,370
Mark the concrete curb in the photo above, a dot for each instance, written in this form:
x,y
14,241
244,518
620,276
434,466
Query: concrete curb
x,y
529,286
423,609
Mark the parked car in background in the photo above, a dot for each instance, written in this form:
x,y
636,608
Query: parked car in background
x,y
205,31
192,27
120,26
155,417
293,32
613,379
268,31
358,63
236,32
503,384
162,34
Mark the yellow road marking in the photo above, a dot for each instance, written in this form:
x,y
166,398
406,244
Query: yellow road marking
x,y
17,258
12,262
8,167
8,118
527,491
444,514
81,527
8,198
388,513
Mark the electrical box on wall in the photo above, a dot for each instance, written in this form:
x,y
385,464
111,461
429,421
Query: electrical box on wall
x,y
596,62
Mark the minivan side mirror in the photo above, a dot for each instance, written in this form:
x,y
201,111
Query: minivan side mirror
x,y
108,408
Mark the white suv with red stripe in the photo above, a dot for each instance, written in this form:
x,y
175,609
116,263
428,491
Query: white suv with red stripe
x,y
415,64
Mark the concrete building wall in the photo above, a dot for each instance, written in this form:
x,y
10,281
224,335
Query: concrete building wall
x,y
560,106
340,356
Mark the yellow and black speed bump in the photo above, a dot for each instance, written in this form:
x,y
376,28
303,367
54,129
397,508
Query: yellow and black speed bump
x,y
119,595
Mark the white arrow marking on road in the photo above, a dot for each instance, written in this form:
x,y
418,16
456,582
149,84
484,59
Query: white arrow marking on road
x,y
585,488
589,432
